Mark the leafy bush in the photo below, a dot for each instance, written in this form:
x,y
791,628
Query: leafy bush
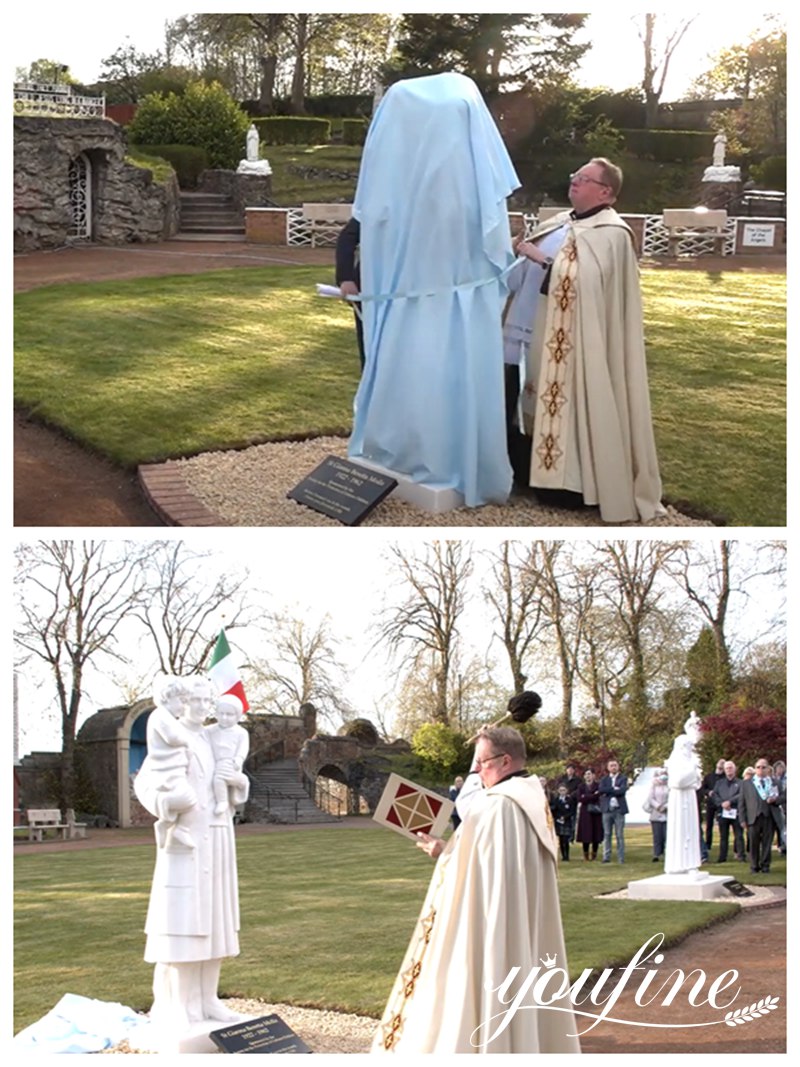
x,y
770,173
441,747
188,161
280,129
354,131
743,735
204,116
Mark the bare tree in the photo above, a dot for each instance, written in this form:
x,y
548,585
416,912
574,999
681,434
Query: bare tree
x,y
72,598
568,591
514,594
428,618
635,589
657,57
185,605
301,667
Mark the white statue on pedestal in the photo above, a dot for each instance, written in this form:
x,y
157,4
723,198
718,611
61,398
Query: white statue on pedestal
x,y
720,171
253,164
193,917
685,777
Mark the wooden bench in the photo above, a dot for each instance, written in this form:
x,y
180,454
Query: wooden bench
x,y
326,220
681,223
41,819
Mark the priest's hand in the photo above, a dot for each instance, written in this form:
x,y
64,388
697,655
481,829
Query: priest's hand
x,y
348,289
432,845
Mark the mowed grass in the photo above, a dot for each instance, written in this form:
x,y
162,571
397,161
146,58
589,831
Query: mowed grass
x,y
326,917
156,368
716,347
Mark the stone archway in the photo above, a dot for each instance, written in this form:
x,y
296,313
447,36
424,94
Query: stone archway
x,y
333,791
80,196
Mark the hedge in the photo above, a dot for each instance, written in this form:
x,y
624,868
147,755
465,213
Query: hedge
x,y
670,146
285,130
188,160
354,131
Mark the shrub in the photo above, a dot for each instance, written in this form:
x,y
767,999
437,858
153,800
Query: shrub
x,y
204,116
670,146
770,173
280,129
441,748
742,735
188,161
354,131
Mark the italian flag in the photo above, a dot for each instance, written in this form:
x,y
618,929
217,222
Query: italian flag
x,y
223,671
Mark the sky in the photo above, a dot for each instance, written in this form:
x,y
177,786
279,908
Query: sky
x,y
346,574
83,38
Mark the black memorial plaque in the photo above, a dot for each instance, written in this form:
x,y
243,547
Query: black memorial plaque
x,y
342,490
738,890
266,1034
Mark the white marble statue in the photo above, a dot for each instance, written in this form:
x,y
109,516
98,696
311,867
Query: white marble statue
x,y
193,916
720,144
230,743
684,777
252,143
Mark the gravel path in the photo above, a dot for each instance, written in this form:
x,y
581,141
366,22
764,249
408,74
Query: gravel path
x,y
248,488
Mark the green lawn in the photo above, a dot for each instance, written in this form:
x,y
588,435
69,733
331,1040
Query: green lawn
x,y
326,917
155,368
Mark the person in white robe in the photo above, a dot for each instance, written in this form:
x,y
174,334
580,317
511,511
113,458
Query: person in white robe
x,y
586,402
435,243
492,906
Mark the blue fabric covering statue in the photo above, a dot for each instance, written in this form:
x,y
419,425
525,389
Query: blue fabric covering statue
x,y
435,241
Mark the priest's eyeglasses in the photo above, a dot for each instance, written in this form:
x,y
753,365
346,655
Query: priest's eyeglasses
x,y
480,762
581,179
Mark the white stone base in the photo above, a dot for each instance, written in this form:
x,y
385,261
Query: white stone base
x,y
427,497
193,1039
695,885
254,166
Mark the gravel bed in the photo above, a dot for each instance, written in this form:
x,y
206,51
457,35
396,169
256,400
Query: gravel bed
x,y
322,1031
248,488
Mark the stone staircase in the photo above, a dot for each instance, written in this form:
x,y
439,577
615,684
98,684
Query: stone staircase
x,y
277,795
210,215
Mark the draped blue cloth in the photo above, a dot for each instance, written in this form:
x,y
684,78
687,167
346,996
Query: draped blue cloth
x,y
431,202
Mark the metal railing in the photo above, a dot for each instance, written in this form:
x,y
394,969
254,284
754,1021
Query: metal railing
x,y
45,98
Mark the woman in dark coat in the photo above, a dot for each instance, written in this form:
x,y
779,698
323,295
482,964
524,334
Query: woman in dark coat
x,y
590,823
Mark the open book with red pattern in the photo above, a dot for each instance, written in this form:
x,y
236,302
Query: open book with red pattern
x,y
412,809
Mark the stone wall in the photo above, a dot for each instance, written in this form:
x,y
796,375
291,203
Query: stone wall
x,y
126,204
246,190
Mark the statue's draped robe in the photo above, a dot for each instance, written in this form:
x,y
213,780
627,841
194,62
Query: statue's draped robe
x,y
435,241
492,905
193,913
586,398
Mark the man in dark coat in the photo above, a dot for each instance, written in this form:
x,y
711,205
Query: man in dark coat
x,y
758,800
614,808
709,782
348,272
725,801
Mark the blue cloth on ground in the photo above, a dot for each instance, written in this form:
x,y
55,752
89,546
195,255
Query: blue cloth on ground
x,y
79,1024
431,201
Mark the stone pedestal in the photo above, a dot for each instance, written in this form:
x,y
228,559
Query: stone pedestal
x,y
194,1039
427,497
720,186
693,885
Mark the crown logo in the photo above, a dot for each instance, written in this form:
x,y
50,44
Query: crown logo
x,y
548,961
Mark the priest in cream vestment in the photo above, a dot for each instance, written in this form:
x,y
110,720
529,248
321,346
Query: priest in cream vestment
x,y
586,402
492,906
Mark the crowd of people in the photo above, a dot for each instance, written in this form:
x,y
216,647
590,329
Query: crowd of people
x,y
590,808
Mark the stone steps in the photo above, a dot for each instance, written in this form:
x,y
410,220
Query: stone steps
x,y
277,795
209,213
